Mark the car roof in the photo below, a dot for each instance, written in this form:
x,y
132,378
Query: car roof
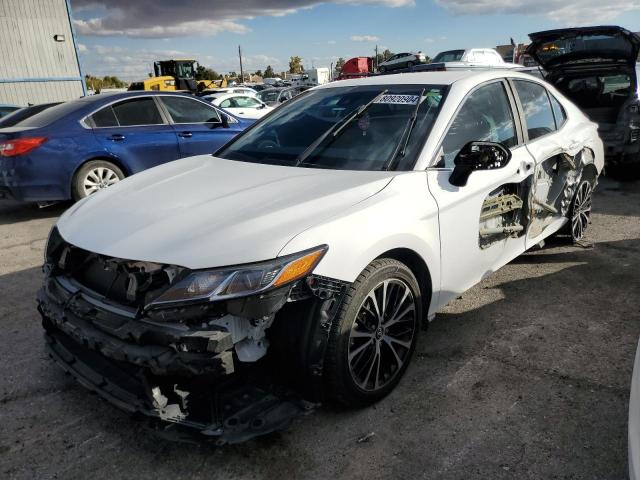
x,y
428,78
224,96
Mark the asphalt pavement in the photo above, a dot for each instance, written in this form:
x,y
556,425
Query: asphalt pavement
x,y
526,376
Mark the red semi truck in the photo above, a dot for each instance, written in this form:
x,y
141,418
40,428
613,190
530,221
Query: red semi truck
x,y
356,67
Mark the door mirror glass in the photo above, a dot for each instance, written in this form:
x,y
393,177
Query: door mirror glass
x,y
478,156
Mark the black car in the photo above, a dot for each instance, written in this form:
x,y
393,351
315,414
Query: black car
x,y
597,68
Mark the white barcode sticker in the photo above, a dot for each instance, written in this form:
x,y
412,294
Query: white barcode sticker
x,y
399,99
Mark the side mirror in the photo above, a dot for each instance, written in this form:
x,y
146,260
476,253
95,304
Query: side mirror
x,y
225,121
478,156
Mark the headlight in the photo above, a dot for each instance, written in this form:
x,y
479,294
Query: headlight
x,y
243,280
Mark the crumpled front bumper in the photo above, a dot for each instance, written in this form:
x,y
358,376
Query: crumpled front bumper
x,y
136,366
233,416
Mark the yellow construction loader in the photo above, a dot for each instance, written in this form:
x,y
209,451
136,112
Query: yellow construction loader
x,y
174,75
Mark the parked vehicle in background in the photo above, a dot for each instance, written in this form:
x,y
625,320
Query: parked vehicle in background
x,y
596,68
482,56
6,109
23,113
356,67
223,91
243,106
74,149
272,80
402,60
275,96
318,76
299,262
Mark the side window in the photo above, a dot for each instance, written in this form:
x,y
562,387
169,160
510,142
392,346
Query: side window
x,y
137,111
226,103
186,110
558,112
485,116
537,109
247,102
104,118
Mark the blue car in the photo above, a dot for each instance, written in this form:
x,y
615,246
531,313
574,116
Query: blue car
x,y
74,149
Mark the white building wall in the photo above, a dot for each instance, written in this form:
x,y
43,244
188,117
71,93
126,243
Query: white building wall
x,y
34,67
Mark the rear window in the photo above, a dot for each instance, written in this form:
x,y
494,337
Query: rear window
x,y
537,109
558,112
449,56
50,115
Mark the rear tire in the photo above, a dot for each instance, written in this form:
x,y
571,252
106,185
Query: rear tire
x,y
409,64
93,176
580,210
374,334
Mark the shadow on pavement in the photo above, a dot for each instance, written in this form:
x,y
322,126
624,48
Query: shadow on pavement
x,y
531,383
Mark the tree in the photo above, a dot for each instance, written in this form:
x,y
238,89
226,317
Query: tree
x,y
339,64
97,84
268,72
258,73
295,65
203,73
384,56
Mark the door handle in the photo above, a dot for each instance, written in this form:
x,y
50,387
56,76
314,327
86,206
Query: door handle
x,y
185,134
117,137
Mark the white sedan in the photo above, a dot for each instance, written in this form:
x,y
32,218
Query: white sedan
x,y
240,105
310,250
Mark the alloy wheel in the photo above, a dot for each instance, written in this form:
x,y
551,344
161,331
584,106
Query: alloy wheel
x,y
382,334
99,178
581,210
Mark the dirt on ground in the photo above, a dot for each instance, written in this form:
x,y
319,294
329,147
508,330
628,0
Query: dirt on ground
x,y
525,376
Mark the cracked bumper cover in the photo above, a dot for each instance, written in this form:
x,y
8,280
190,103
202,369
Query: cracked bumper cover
x,y
138,363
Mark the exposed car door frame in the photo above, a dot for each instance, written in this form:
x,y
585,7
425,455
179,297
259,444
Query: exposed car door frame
x,y
460,237
541,226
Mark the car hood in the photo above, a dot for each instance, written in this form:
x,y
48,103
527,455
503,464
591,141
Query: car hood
x,y
203,211
585,45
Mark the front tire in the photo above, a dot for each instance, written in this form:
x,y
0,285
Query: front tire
x,y
374,335
382,69
94,176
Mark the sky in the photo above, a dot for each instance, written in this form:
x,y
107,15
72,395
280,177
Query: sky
x,y
124,37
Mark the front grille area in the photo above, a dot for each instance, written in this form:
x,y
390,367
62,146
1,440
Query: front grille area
x,y
125,282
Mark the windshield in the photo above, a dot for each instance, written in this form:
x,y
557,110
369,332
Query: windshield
x,y
268,95
449,56
322,129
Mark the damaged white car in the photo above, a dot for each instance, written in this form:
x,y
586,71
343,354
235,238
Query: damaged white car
x,y
231,292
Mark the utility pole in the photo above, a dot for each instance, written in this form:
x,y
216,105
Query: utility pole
x,y
241,70
376,62
331,72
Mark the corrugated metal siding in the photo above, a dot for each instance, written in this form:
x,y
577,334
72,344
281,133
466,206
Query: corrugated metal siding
x,y
22,93
28,50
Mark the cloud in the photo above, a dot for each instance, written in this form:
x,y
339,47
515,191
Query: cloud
x,y
130,64
365,38
565,11
171,18
82,48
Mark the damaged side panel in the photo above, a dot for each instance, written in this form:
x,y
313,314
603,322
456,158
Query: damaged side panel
x,y
556,180
504,213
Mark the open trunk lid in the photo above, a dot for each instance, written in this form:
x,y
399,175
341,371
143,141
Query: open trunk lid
x,y
584,46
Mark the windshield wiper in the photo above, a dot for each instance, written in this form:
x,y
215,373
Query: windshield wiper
x,y
336,128
401,148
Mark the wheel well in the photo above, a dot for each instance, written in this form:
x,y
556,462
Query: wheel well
x,y
419,268
115,161
590,172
